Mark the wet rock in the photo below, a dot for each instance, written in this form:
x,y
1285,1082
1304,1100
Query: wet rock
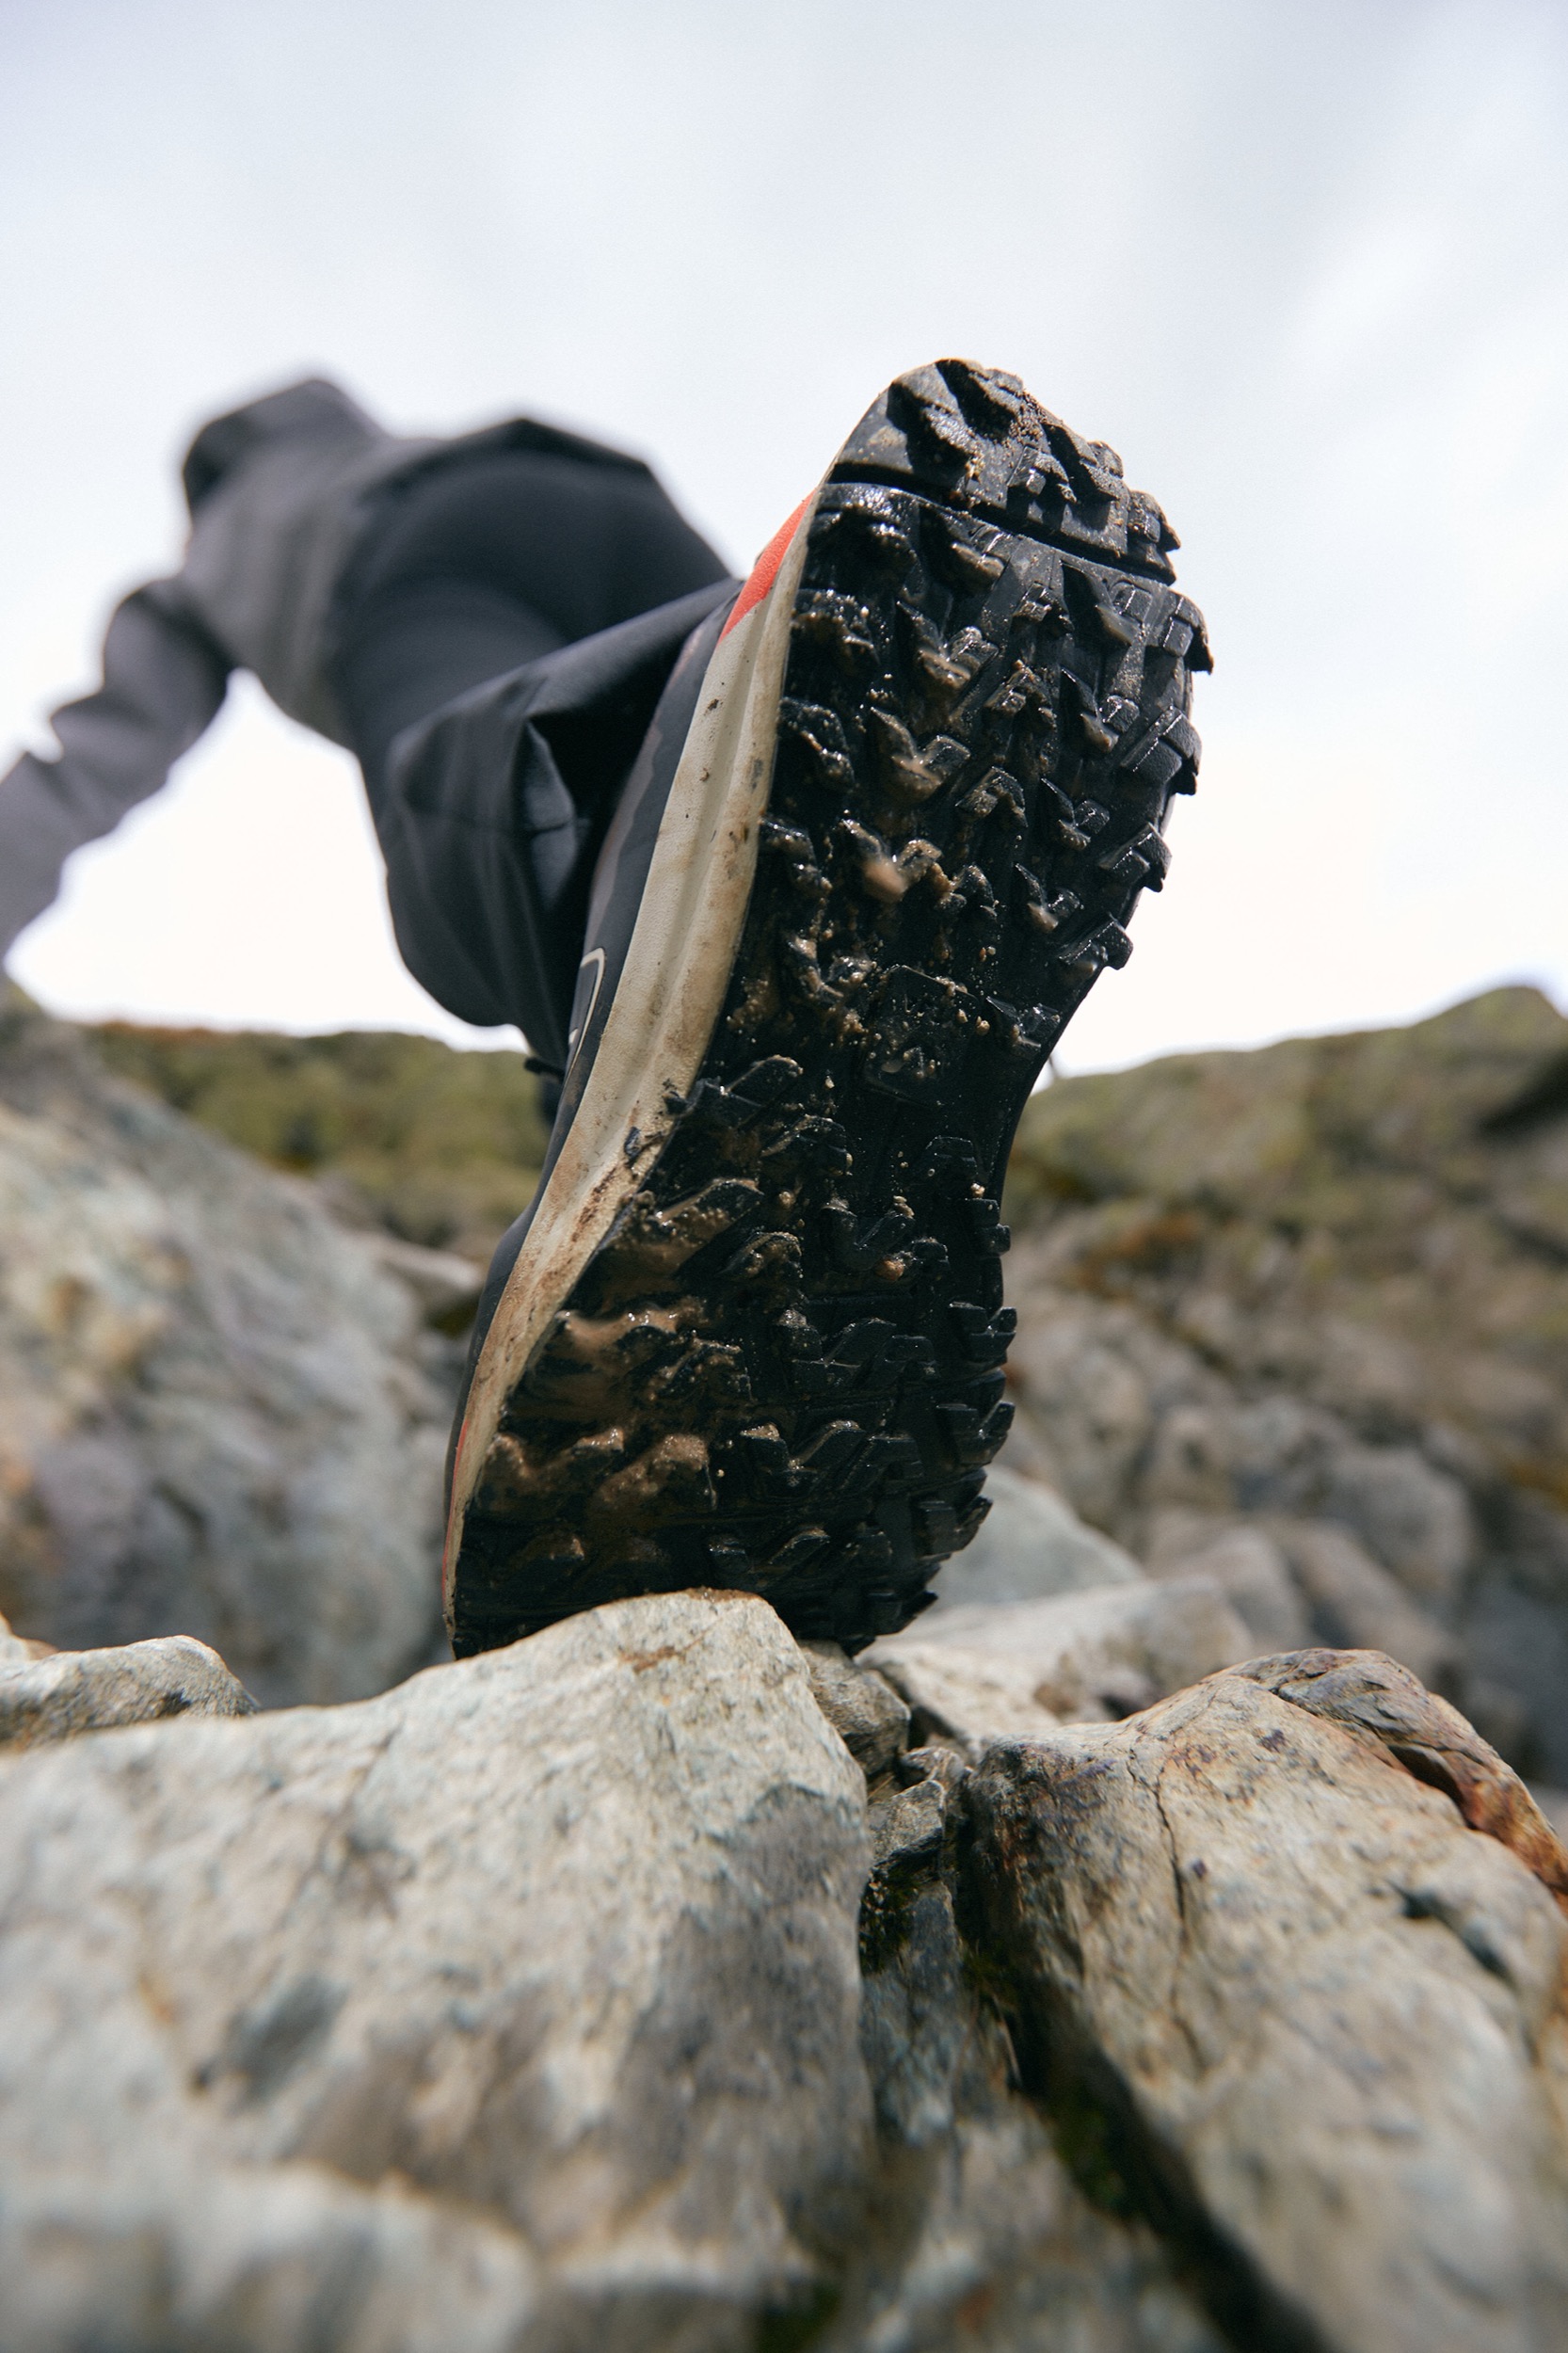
x,y
518,2006
1302,2016
220,1414
94,1690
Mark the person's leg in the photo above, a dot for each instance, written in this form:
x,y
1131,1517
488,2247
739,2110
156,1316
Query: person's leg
x,y
488,561
489,812
499,641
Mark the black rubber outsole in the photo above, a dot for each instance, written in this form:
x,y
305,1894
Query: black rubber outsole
x,y
782,1371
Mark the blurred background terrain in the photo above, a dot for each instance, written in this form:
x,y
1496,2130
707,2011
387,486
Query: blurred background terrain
x,y
1294,1319
436,1147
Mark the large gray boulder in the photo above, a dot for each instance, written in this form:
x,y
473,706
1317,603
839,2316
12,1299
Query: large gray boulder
x,y
1311,2018
220,1413
519,2006
519,2010
1031,1546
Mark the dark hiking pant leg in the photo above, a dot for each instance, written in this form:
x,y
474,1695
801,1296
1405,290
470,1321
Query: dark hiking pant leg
x,y
490,813
500,639
491,559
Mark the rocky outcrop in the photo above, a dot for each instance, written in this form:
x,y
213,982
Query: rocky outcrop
x,y
530,1987
222,1414
1295,1320
1108,1961
1289,1320
519,2008
1291,2007
593,1991
435,1146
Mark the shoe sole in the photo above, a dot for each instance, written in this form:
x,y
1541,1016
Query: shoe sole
x,y
754,1338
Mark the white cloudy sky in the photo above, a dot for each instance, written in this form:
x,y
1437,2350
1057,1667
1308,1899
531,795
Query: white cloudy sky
x,y
1305,266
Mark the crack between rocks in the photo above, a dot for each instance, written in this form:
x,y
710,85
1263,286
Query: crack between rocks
x,y
1065,2069
1173,2002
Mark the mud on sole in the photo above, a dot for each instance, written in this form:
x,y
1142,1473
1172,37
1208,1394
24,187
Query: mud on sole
x,y
782,1370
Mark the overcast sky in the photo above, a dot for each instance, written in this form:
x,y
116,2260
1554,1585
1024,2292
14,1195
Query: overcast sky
x,y
1305,266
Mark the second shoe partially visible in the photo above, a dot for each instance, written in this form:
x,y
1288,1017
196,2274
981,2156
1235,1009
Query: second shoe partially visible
x,y
888,826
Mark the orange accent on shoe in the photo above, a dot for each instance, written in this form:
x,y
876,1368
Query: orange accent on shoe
x,y
765,570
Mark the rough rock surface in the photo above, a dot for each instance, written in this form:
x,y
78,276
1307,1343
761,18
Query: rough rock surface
x,y
965,1696
221,1414
1017,1669
1285,2004
95,1691
979,2235
436,1145
519,2009
539,1971
1299,1319
17,1650
861,1705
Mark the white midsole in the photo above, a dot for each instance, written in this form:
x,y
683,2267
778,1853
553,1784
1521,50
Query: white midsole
x,y
672,988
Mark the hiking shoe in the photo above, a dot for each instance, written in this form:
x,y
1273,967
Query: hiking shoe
x,y
889,823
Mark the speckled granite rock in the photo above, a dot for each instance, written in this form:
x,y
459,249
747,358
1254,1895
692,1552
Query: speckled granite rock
x,y
517,2011
558,1944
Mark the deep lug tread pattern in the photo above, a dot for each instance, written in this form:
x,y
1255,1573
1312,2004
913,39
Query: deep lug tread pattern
x,y
782,1369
